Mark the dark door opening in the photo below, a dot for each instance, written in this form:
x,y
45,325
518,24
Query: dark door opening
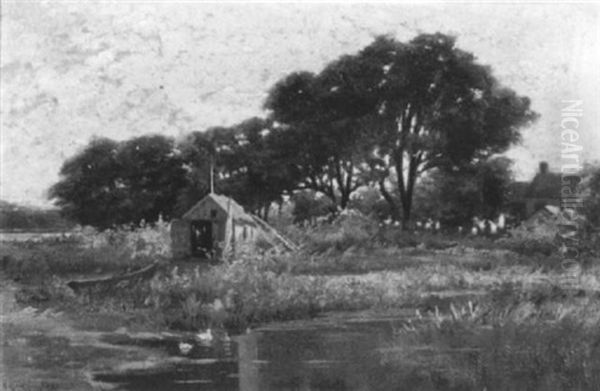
x,y
202,238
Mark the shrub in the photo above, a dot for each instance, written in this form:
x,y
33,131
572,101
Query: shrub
x,y
145,240
529,246
348,230
394,236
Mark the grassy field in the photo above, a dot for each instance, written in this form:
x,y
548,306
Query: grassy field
x,y
347,268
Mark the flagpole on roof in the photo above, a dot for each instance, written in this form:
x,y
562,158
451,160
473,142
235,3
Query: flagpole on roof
x,y
230,217
212,175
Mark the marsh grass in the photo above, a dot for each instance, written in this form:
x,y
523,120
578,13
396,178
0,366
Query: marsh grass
x,y
355,244
256,290
359,260
508,356
346,269
31,262
543,339
85,253
43,268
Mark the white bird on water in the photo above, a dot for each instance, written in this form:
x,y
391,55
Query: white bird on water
x,y
185,348
206,336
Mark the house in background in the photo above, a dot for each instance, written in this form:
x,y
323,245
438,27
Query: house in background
x,y
217,225
525,198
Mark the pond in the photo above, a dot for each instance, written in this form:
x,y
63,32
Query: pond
x,y
330,354
364,353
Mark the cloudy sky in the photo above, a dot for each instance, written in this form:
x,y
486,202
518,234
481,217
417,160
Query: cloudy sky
x,y
74,70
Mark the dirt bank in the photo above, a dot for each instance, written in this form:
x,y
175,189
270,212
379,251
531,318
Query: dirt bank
x,y
44,350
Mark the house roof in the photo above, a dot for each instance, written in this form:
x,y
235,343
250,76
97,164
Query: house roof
x,y
228,205
545,185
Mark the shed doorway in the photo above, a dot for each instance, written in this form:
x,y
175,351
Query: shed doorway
x,y
202,238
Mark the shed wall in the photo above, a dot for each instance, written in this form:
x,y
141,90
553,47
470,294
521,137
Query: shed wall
x,y
210,211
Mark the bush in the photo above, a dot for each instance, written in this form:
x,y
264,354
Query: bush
x,y
529,246
350,229
395,236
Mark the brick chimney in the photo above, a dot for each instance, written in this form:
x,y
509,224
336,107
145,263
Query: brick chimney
x,y
543,167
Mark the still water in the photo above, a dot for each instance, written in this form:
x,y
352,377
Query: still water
x,y
325,358
355,354
328,355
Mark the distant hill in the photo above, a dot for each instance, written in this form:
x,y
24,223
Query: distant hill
x,y
18,217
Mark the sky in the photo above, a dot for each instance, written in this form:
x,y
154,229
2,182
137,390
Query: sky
x,y
71,71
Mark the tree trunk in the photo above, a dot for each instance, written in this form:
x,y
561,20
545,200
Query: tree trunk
x,y
345,198
407,196
406,209
390,200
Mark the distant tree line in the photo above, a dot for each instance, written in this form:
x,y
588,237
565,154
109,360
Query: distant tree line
x,y
393,117
22,218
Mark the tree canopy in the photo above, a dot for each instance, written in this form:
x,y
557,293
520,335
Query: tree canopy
x,y
455,196
247,166
382,117
437,108
393,111
88,191
111,182
321,129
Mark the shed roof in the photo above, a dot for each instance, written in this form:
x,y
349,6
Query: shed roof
x,y
543,186
228,205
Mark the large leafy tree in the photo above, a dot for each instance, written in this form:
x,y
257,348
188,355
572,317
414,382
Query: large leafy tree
x,y
111,182
88,191
494,177
152,174
255,173
323,126
308,206
456,195
398,109
437,108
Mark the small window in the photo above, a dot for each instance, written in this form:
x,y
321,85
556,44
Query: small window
x,y
245,234
213,213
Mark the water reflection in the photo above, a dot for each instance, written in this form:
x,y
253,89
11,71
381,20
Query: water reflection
x,y
340,358
380,355
201,367
385,355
